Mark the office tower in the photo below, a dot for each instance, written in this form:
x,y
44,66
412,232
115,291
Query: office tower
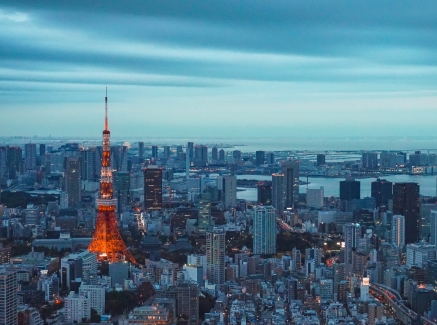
x,y
229,191
349,190
96,294
215,255
42,149
382,191
398,231
3,162
214,154
260,158
292,288
30,156
119,272
315,197
314,254
204,207
264,230
419,253
167,152
369,160
406,202
179,150
200,156
77,307
236,154
297,256
119,158
72,180
152,188
320,159
310,267
88,164
14,161
433,227
141,150
122,188
188,301
425,220
107,242
190,149
352,235
279,192
265,193
8,297
154,151
221,155
290,169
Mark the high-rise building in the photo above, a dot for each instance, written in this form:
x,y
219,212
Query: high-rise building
x,y
375,312
107,242
119,158
14,161
154,151
122,188
349,190
369,160
352,235
221,155
88,164
167,152
188,301
152,188
433,227
406,202
96,294
8,297
72,180
382,191
42,149
364,289
418,254
265,193
190,149
141,150
290,170
30,156
326,289
425,220
320,159
204,216
214,154
229,191
215,255
264,230
260,158
315,254
270,158
279,192
315,197
398,231
77,307
200,155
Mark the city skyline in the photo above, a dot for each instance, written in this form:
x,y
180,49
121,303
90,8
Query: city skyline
x,y
248,69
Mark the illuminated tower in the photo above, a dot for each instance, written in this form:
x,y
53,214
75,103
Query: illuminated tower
x,y
107,242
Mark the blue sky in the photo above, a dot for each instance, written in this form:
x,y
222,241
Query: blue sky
x,y
219,68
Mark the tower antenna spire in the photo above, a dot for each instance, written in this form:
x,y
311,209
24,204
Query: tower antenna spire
x,y
106,109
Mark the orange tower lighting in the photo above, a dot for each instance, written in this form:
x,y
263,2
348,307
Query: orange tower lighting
x,y
107,242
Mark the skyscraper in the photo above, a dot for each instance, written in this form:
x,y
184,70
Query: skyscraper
x,y
204,207
107,242
30,156
352,235
72,180
14,161
188,301
279,192
154,151
265,193
229,191
190,149
214,154
215,255
398,231
320,159
42,149
290,169
221,155
152,188
433,227
200,155
369,160
260,158
88,164
264,230
406,202
8,297
349,190
167,152
382,191
141,150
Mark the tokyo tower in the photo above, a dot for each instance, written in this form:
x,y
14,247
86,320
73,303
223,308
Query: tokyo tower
x,y
107,242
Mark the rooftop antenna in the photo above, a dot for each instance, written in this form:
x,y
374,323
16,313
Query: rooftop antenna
x,y
106,109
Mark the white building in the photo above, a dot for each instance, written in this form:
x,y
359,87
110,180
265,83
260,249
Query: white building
x,y
419,253
264,230
315,197
398,231
198,260
77,307
96,294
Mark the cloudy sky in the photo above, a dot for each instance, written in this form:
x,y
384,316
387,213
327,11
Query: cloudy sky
x,y
225,68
